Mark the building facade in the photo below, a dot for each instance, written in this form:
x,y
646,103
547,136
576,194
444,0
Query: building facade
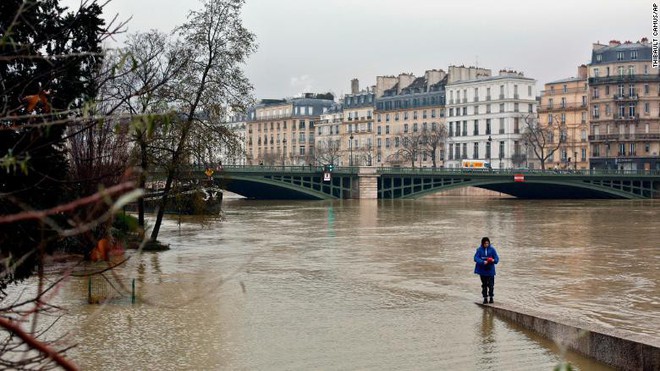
x,y
406,108
624,106
564,105
486,115
281,131
235,152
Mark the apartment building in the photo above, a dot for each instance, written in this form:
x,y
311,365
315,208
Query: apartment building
x,y
328,145
233,153
406,107
564,106
357,129
486,115
281,131
624,106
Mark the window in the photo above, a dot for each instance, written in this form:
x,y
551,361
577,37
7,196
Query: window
x,y
387,129
378,118
595,93
488,131
565,88
596,111
415,115
620,56
464,128
475,151
647,108
599,57
631,70
405,128
476,110
379,142
501,107
646,89
596,71
515,107
476,127
501,131
631,90
387,117
529,91
378,130
631,110
414,127
516,125
396,116
607,109
387,142
501,154
488,108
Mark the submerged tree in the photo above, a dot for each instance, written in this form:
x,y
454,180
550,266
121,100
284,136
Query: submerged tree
x,y
211,84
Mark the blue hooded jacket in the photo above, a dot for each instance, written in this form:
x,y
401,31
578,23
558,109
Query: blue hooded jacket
x,y
480,257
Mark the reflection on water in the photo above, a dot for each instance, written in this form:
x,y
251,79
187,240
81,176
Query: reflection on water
x,y
373,285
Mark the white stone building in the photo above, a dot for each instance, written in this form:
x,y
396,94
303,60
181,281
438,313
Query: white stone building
x,y
486,115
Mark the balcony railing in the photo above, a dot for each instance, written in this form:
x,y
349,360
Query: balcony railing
x,y
626,97
565,106
624,137
623,79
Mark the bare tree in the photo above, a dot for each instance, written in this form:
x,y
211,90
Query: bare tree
x,y
365,154
434,140
134,81
544,139
411,147
328,151
218,45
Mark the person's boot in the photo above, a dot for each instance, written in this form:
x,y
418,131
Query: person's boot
x,y
490,301
485,301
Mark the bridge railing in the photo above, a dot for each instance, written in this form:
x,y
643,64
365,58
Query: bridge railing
x,y
592,172
275,168
417,170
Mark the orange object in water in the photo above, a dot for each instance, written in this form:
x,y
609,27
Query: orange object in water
x,y
100,252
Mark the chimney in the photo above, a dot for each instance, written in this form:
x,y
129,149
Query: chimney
x,y
582,72
405,79
598,46
614,43
355,86
384,83
433,77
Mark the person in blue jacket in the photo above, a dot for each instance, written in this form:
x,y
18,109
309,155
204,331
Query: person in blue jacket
x,y
485,259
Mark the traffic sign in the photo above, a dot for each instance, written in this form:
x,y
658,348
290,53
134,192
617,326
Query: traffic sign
x,y
519,177
326,176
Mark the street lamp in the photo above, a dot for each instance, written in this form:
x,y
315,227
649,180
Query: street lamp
x,y
283,151
607,154
575,160
350,146
490,150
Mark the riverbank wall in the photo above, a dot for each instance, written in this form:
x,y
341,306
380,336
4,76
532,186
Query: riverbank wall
x,y
621,349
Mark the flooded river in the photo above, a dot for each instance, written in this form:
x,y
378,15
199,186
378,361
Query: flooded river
x,y
372,285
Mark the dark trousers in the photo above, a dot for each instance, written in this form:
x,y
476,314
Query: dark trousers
x,y
487,285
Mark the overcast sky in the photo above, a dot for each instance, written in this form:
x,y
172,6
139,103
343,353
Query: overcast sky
x,y
320,45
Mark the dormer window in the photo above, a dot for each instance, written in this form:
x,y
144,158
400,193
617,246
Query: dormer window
x,y
633,54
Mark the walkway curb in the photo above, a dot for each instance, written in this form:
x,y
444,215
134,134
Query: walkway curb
x,y
621,349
